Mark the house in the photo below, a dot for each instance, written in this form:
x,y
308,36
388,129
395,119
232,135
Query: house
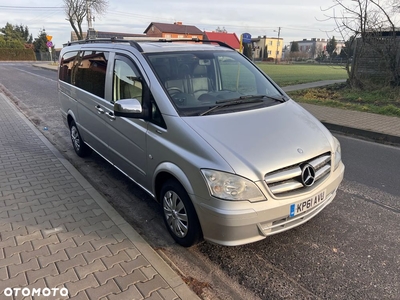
x,y
267,47
175,30
230,39
315,47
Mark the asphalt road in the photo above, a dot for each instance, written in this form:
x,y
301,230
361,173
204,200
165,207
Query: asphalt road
x,y
349,251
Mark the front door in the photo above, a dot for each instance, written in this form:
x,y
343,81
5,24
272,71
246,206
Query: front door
x,y
127,141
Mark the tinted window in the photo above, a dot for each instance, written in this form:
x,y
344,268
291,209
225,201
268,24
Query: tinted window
x,y
91,72
86,70
68,61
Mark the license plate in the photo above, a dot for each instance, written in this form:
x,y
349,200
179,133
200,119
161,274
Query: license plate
x,y
298,208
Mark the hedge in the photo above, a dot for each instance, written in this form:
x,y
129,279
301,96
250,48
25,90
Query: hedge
x,y
17,54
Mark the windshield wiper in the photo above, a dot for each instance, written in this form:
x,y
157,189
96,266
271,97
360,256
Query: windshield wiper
x,y
243,100
230,102
280,99
249,97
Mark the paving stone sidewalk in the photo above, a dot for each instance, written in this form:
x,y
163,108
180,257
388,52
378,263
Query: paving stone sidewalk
x,y
375,127
57,231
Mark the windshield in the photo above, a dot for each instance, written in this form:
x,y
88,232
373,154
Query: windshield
x,y
198,81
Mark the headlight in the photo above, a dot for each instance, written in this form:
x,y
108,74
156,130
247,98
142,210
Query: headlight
x,y
231,187
338,153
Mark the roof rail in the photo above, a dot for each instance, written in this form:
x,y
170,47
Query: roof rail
x,y
135,42
197,40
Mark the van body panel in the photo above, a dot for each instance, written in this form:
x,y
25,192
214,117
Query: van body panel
x,y
259,141
243,222
91,122
181,144
206,110
127,144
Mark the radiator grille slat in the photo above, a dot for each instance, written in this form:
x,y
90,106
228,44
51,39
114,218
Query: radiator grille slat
x,y
288,179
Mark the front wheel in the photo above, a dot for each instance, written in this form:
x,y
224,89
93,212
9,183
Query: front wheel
x,y
179,214
79,146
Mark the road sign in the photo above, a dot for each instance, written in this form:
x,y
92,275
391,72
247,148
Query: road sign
x,y
49,44
246,38
49,37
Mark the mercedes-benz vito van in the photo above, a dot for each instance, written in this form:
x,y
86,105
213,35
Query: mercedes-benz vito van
x,y
228,155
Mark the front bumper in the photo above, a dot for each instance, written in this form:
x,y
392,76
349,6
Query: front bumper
x,y
241,222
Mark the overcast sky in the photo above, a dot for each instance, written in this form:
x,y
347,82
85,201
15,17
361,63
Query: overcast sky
x,y
297,19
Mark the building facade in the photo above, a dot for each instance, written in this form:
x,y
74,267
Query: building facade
x,y
315,47
172,31
267,48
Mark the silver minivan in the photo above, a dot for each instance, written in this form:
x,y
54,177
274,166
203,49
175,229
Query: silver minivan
x,y
227,154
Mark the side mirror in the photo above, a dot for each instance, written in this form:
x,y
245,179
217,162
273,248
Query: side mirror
x,y
129,108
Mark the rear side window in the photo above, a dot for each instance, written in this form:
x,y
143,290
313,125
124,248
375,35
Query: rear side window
x,y
68,61
86,70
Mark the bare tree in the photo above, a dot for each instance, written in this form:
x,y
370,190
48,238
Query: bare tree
x,y
369,28
79,10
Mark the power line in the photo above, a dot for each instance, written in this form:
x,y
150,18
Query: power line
x,y
56,9
10,7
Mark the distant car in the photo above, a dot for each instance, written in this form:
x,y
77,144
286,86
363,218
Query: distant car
x,y
229,156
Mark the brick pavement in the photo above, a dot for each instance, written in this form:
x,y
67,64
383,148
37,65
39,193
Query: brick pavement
x,y
56,231
375,127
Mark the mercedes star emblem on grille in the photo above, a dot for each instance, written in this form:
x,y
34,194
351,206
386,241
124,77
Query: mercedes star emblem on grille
x,y
308,175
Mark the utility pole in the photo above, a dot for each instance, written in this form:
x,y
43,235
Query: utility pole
x,y
277,45
91,34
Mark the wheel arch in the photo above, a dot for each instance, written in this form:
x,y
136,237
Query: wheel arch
x,y
166,171
70,118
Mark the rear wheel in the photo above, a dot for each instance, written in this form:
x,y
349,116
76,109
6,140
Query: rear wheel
x,y
179,214
79,146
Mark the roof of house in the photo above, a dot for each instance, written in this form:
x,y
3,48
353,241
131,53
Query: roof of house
x,y
177,27
228,38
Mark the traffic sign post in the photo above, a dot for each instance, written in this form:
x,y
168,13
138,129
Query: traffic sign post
x,y
245,38
49,44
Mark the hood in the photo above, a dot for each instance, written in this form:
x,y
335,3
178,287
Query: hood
x,y
259,141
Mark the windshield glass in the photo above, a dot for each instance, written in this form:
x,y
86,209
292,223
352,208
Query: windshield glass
x,y
197,81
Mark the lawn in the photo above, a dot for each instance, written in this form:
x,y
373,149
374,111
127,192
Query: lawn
x,y
384,100
379,100
290,74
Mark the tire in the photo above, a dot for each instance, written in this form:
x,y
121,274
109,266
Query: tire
x,y
179,214
79,146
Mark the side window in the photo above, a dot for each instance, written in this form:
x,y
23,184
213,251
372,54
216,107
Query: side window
x,y
68,62
126,83
90,73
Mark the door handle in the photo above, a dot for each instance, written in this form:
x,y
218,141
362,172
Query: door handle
x,y
111,116
99,109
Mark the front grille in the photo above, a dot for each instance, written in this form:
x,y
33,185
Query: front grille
x,y
285,181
